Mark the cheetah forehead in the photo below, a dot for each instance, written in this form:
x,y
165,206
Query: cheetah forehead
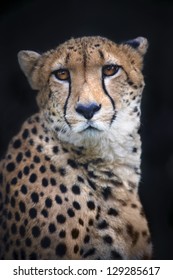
x,y
90,51
95,50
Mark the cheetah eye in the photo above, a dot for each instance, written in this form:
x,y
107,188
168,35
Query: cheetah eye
x,y
110,70
62,74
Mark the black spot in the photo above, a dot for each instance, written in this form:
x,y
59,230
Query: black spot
x,y
91,174
62,234
32,213
42,169
62,171
17,143
53,168
115,255
101,54
86,238
91,222
81,222
76,249
13,229
58,199
61,249
133,205
135,109
20,174
90,252
39,148
130,230
76,205
36,231
37,119
10,166
52,228
61,219
91,205
81,251
19,157
45,182
45,242
47,158
48,202
103,225
28,242
132,233
22,207
14,181
33,178
112,211
17,216
9,215
92,184
35,197
34,130
47,139
22,231
75,233
18,242
80,179
13,202
25,134
36,159
76,189
106,192
24,189
107,239
7,188
53,181
22,254
16,193
28,154
15,255
55,149
44,213
63,188
33,256
70,212
26,170
136,237
72,163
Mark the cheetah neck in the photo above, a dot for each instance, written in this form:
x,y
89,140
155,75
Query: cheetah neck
x,y
118,148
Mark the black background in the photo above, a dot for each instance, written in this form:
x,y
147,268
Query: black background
x,y
42,24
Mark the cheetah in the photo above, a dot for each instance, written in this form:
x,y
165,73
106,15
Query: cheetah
x,y
69,179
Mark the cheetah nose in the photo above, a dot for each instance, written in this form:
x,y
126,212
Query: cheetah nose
x,y
87,110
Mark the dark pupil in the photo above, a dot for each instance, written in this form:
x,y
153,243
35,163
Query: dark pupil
x,y
63,73
111,68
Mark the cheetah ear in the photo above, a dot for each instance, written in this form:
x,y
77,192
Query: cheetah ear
x,y
139,43
28,61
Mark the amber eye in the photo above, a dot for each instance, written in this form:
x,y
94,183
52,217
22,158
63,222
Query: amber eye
x,y
110,70
62,74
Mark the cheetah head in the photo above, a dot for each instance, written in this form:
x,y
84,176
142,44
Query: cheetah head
x,y
88,88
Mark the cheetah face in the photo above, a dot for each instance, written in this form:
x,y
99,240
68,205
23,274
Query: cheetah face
x,y
88,87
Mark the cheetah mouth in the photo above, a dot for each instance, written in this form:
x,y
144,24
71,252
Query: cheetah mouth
x,y
90,126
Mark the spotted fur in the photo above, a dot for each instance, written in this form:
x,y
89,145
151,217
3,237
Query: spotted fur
x,y
69,180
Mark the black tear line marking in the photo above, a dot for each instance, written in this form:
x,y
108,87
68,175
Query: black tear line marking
x,y
112,101
66,102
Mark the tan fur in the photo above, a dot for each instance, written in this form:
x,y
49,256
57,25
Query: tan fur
x,y
69,185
